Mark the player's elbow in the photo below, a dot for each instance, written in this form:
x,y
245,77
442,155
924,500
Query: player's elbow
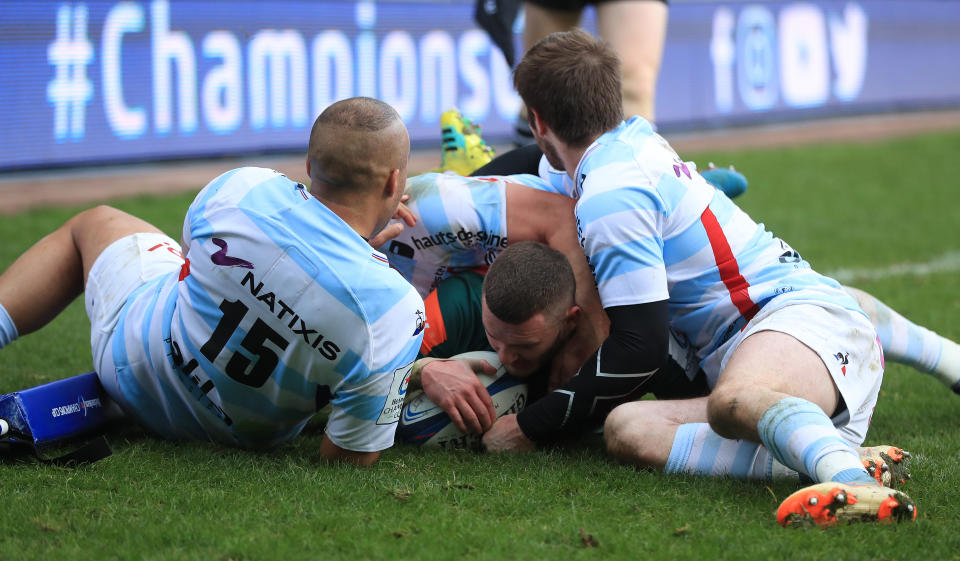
x,y
330,452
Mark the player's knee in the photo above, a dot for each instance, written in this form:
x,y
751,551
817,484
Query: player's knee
x,y
623,442
94,217
639,88
722,407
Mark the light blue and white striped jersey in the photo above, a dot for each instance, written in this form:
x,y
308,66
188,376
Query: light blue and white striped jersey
x,y
461,225
280,308
653,229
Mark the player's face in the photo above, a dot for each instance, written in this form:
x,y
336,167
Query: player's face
x,y
524,348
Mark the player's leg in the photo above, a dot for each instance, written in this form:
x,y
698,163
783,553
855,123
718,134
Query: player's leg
x,y
642,433
908,343
525,159
775,389
52,273
636,30
674,436
541,18
779,390
672,433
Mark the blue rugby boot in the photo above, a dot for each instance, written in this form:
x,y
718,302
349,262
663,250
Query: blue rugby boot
x,y
729,180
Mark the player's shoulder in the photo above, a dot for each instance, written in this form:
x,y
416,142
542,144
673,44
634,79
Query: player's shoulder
x,y
633,157
249,177
231,187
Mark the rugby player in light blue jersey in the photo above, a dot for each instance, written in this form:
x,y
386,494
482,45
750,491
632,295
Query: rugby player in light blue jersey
x,y
276,306
792,359
462,225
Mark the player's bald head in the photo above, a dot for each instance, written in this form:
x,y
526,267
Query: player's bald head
x,y
354,145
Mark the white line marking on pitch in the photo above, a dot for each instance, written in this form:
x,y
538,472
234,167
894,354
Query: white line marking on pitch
x,y
947,263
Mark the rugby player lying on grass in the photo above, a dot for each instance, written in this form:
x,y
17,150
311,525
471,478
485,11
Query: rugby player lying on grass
x,y
280,307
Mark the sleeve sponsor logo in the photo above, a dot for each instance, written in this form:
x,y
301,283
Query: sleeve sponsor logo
x,y
398,391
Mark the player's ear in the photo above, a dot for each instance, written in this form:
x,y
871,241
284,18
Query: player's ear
x,y
392,185
536,122
572,316
308,165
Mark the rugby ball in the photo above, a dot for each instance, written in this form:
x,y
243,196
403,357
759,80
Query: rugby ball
x,y
424,424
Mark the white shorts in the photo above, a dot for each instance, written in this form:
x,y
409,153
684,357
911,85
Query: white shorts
x,y
122,268
847,344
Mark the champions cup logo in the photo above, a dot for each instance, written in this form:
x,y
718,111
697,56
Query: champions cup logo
x,y
81,406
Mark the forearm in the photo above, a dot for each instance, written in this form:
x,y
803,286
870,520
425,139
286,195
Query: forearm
x,y
634,350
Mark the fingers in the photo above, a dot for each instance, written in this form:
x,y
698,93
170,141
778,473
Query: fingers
x,y
483,405
472,411
481,366
456,418
404,213
475,408
388,233
473,422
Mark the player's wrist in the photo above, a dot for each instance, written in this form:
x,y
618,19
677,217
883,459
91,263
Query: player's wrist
x,y
527,431
417,372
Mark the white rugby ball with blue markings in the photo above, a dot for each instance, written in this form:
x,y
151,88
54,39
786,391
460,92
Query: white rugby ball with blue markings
x,y
424,424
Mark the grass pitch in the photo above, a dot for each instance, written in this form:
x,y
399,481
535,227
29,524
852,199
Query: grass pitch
x,y
851,208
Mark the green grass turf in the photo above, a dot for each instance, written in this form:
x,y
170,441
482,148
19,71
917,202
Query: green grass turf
x,y
841,206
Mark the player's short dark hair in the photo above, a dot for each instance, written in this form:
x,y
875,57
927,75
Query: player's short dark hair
x,y
358,113
572,80
529,278
352,147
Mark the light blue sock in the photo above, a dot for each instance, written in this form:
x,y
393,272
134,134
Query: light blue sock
x,y
8,331
698,450
801,436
